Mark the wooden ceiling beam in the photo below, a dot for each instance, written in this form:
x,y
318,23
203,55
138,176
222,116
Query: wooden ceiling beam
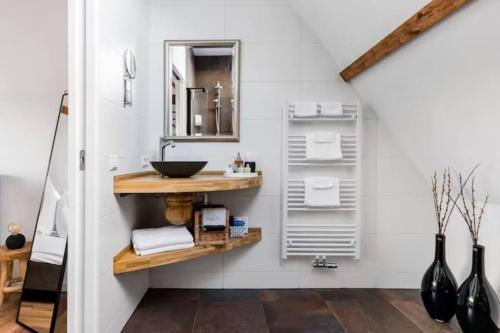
x,y
432,13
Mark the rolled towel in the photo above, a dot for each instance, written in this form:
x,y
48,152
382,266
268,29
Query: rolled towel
x,y
154,238
330,108
308,109
148,252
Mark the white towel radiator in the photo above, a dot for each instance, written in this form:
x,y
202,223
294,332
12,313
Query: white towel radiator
x,y
321,231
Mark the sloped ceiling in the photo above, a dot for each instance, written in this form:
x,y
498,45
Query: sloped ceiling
x,y
438,96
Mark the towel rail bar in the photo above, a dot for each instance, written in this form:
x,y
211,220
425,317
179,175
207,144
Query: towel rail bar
x,y
327,238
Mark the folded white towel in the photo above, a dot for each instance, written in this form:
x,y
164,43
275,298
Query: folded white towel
x,y
47,217
164,249
330,108
322,192
48,249
323,146
306,109
213,216
154,238
47,258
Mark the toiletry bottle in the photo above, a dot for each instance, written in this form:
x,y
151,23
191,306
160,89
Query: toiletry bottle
x,y
238,161
247,169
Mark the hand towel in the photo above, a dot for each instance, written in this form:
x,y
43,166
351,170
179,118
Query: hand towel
x,y
213,217
306,109
321,192
330,108
153,238
323,146
47,217
167,248
48,249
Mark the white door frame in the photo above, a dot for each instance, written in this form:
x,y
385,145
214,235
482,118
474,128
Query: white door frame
x,y
76,235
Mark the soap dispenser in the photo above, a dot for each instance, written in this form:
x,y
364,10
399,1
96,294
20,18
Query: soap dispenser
x,y
238,162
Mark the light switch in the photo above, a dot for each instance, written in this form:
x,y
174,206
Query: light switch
x,y
145,159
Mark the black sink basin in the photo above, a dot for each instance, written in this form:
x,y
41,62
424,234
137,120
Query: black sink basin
x,y
179,169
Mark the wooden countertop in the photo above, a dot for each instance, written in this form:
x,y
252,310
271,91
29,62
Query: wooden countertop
x,y
205,181
128,261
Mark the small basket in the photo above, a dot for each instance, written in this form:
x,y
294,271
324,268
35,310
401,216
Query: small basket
x,y
209,237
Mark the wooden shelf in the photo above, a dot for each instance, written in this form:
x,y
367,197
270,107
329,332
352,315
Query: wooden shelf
x,y
128,261
208,181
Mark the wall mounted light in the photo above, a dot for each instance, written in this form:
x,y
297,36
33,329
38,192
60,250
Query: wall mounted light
x,y
129,70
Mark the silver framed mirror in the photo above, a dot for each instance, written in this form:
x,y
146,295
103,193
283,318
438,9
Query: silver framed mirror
x,y
201,90
42,306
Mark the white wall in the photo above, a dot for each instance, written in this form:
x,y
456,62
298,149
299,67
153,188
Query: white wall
x,y
33,76
437,98
281,60
113,26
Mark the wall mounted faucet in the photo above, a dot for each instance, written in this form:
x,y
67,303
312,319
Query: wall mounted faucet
x,y
165,142
322,263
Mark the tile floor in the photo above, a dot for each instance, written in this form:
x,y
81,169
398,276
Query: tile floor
x,y
284,310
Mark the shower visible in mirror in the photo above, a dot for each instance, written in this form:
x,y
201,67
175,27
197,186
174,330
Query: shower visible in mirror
x,y
43,305
202,90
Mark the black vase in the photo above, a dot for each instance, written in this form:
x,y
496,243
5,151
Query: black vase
x,y
439,287
14,242
476,298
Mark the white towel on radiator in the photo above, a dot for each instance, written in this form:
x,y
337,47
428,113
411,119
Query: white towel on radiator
x,y
323,146
330,108
306,109
160,238
321,192
48,249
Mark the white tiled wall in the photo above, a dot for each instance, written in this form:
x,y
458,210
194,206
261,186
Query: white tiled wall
x,y
114,130
282,61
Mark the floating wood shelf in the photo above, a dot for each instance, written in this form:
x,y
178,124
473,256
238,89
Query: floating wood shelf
x,y
127,261
208,181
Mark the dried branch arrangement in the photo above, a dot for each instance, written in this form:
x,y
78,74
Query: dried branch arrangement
x,y
443,201
471,211
439,192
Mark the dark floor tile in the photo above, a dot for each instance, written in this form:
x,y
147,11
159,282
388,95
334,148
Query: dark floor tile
x,y
171,294
230,317
302,295
223,295
353,317
290,316
155,316
377,308
401,295
409,302
418,316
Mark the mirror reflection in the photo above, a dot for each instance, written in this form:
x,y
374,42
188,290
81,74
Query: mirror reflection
x,y
202,88
41,308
